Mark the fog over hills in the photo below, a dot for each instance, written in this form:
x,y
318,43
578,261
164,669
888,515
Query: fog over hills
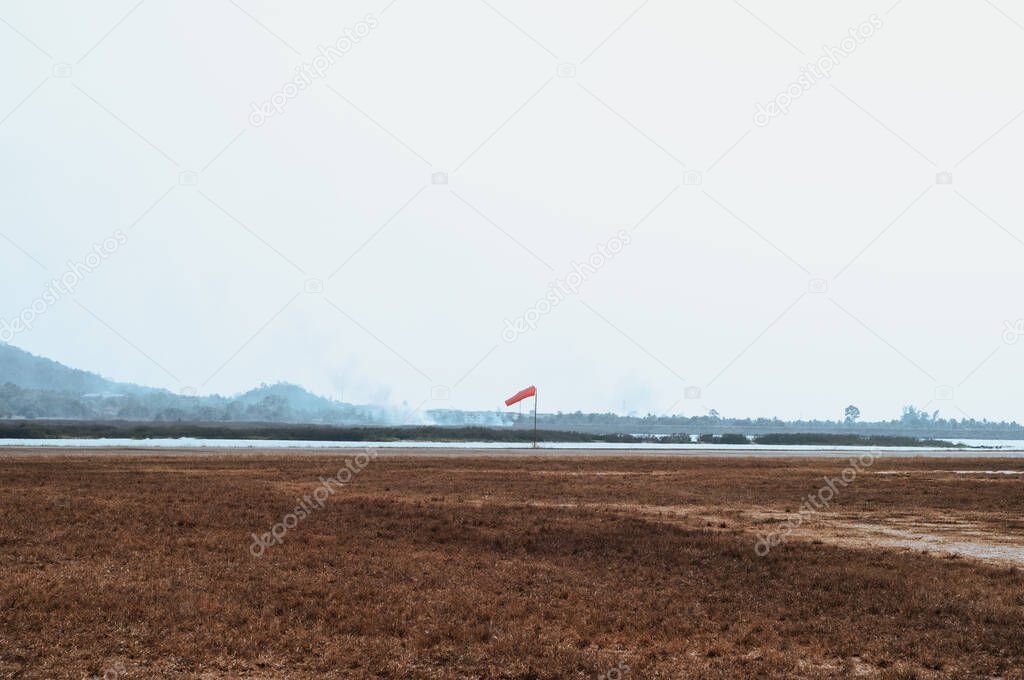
x,y
33,387
36,387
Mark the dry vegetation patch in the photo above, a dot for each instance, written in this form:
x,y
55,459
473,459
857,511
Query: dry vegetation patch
x,y
495,568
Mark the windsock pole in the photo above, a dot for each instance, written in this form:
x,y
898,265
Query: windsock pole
x,y
535,419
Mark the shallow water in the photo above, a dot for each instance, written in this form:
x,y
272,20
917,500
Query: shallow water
x,y
1011,449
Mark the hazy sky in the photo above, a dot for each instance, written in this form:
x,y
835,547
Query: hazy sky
x,y
775,263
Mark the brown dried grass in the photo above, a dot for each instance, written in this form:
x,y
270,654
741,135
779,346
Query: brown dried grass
x,y
489,568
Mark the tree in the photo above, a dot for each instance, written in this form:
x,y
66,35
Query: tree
x,y
852,413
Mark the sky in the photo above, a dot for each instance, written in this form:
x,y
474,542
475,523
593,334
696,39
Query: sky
x,y
766,209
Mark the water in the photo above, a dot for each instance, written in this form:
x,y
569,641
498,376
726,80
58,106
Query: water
x,y
1007,448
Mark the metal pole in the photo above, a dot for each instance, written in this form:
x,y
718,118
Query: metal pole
x,y
535,393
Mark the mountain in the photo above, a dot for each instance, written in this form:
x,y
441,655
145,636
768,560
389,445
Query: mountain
x,y
29,371
36,387
296,397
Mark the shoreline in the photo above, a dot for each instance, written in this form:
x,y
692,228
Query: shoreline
x,y
405,451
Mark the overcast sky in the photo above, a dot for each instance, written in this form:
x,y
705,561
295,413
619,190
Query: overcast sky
x,y
773,255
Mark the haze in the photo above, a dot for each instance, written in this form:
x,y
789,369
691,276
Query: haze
x,y
786,267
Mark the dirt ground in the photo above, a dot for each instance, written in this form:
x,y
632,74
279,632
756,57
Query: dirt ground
x,y
288,565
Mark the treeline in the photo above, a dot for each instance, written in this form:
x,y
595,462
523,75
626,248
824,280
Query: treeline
x,y
56,429
913,422
724,439
78,429
824,439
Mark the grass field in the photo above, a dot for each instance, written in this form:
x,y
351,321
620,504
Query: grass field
x,y
125,566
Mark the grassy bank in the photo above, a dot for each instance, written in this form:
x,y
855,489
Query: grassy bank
x,y
76,429
86,429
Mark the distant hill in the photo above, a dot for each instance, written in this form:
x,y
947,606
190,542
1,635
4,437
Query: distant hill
x,y
296,397
33,387
29,371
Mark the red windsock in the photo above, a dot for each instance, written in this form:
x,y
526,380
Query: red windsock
x,y
530,391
